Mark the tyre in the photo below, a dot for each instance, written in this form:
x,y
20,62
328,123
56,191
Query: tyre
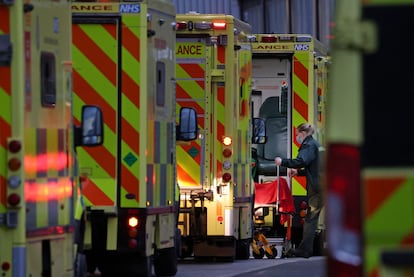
x,y
274,253
260,255
126,266
165,262
242,250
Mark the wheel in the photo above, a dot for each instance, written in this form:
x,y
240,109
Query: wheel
x,y
260,255
274,253
242,249
186,247
126,266
178,246
165,262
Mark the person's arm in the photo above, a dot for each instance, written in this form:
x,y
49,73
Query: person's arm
x,y
304,157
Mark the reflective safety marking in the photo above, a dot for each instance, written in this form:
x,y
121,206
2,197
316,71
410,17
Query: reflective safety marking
x,y
301,95
5,110
190,92
99,197
130,159
388,217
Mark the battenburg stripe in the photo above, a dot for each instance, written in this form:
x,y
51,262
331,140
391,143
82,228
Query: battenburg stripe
x,y
5,112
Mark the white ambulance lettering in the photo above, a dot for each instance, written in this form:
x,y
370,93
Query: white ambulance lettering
x,y
129,8
301,47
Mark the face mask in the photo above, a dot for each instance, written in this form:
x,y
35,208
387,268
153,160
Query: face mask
x,y
299,139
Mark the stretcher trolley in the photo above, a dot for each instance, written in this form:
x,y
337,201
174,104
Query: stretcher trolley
x,y
273,211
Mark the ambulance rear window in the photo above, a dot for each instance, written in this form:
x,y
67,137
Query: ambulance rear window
x,y
389,91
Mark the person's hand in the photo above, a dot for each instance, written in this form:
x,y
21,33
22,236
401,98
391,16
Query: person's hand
x,y
293,172
278,161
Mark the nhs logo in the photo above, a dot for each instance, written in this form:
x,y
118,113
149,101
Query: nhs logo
x,y
129,8
301,47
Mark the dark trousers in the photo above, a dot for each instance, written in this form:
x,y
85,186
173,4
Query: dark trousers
x,y
311,223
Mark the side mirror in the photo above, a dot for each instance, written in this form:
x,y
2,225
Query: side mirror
x,y
91,126
187,127
259,131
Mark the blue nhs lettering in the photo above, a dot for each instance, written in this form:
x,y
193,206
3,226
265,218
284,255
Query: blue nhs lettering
x,y
129,8
301,47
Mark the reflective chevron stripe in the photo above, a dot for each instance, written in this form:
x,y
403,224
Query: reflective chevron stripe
x,y
302,89
101,85
387,197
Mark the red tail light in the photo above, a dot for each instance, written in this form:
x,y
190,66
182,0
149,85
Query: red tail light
x,y
269,39
219,25
344,211
227,153
5,266
181,25
15,168
13,199
226,177
15,146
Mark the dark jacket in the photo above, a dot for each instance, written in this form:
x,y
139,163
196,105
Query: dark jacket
x,y
307,163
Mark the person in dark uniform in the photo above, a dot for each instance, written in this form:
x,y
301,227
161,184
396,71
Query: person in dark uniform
x,y
307,163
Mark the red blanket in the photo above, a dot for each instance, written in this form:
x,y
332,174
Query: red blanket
x,y
266,193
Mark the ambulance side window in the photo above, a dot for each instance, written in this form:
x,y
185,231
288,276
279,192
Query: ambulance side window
x,y
48,79
160,84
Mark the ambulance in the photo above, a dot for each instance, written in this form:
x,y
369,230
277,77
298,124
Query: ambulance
x,y
214,171
369,163
124,62
38,139
289,75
